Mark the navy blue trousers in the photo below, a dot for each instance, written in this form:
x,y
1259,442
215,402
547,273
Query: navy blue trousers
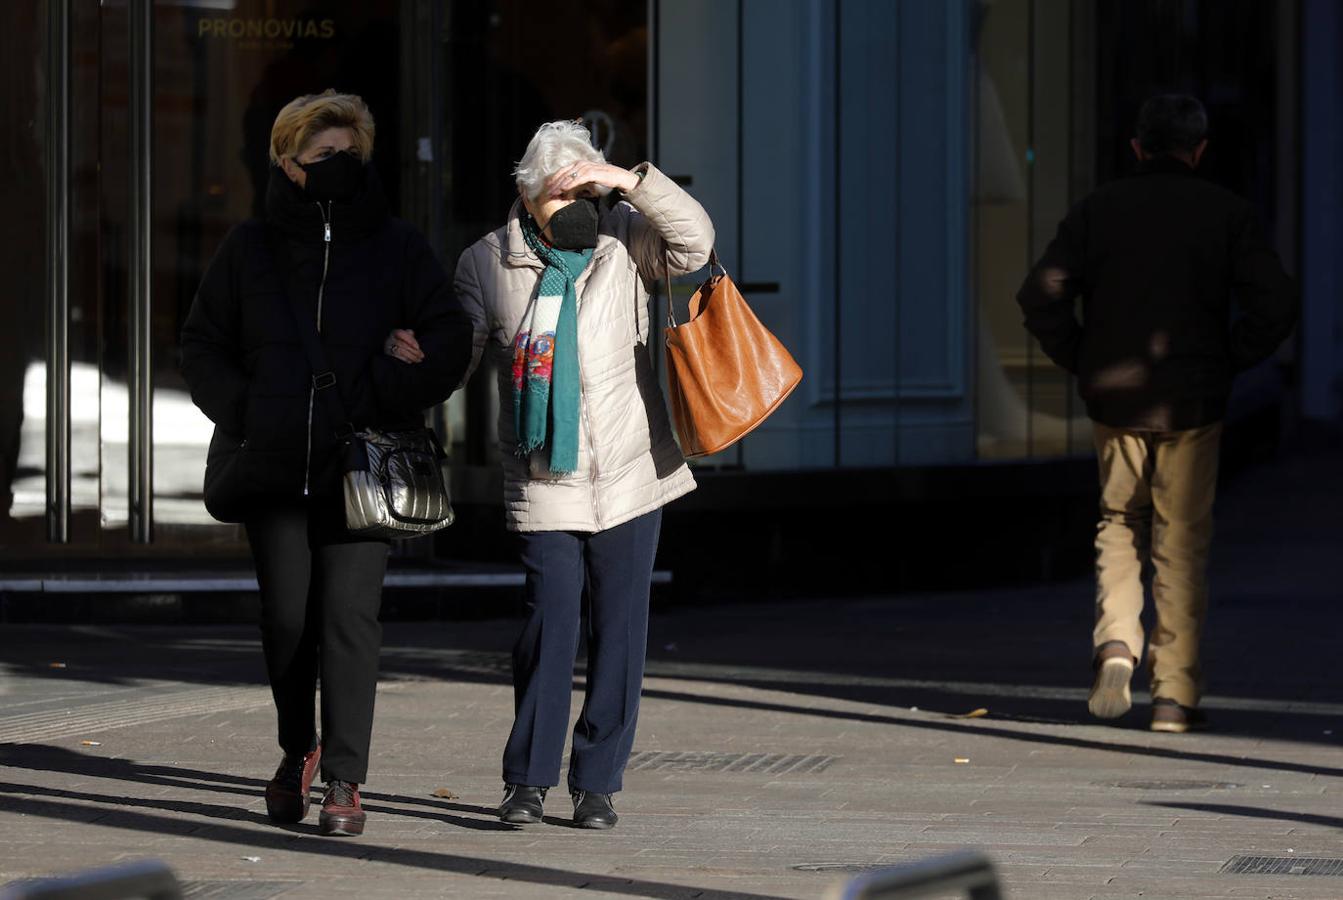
x,y
614,570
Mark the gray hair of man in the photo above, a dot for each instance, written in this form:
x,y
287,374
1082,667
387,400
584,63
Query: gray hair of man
x,y
554,146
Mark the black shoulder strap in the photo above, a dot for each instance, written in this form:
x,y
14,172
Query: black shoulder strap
x,y
323,379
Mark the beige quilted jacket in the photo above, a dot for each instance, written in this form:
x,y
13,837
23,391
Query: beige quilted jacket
x,y
628,461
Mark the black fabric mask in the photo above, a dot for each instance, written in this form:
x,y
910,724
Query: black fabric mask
x,y
574,227
338,177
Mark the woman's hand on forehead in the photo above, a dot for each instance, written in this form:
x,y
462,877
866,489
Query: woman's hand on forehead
x,y
573,180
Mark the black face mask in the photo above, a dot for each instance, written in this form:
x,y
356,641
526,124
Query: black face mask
x,y
574,227
338,177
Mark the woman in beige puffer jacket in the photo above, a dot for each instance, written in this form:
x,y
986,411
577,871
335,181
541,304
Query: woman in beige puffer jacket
x,y
595,527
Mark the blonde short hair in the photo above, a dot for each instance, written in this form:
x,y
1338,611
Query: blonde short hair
x,y
308,116
554,146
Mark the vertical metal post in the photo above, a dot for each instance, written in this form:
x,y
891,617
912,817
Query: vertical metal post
x,y
660,303
437,105
741,169
838,337
140,374
897,245
58,271
1030,219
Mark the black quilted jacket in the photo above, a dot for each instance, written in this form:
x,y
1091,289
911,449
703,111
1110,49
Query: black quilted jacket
x,y
240,348
1179,290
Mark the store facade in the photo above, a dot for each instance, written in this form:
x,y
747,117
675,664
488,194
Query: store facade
x,y
880,175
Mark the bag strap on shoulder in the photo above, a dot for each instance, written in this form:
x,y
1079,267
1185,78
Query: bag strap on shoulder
x,y
666,274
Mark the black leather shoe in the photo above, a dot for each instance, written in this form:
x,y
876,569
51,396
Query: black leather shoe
x,y
594,810
522,804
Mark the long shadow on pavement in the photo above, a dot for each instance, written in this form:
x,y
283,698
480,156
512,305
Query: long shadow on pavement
x,y
1270,641
946,656
1255,812
963,727
47,758
56,804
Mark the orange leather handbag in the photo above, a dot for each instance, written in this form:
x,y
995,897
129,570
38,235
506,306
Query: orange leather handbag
x,y
725,370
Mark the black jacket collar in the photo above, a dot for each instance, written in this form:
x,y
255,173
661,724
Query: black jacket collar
x,y
300,218
1163,165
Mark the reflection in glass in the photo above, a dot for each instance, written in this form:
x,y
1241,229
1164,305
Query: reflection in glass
x,y
28,483
222,72
1023,175
504,79
222,69
23,185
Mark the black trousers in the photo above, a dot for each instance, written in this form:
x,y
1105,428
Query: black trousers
x,y
321,592
616,567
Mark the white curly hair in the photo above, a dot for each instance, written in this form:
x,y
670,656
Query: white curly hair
x,y
554,146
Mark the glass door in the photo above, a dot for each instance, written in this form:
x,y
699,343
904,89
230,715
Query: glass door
x,y
23,184
221,72
168,106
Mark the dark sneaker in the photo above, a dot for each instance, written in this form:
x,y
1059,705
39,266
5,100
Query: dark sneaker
x,y
1110,697
342,816
522,804
1171,717
287,797
594,810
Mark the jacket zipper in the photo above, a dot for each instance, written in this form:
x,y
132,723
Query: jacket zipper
x,y
593,469
592,454
321,289
587,429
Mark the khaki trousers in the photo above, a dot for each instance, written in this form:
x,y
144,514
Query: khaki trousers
x,y
1157,491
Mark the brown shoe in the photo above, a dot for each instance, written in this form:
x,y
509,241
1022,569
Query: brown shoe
x,y
1171,717
1110,696
287,797
342,815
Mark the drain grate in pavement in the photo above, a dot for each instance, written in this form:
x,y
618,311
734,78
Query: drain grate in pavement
x,y
235,890
1176,785
736,763
1282,865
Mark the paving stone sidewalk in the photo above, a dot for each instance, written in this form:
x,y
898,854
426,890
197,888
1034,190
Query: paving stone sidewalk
x,y
783,747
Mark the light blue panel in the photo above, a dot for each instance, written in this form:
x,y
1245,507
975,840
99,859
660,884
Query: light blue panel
x,y
697,117
903,233
773,125
1322,211
902,195
934,216
901,236
697,106
870,152
782,123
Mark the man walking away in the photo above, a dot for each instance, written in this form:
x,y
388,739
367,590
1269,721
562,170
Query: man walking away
x,y
1179,292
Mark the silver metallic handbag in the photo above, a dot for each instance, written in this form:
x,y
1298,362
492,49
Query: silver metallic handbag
x,y
393,483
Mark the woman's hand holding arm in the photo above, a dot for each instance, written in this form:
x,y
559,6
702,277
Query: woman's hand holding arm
x,y
422,363
401,344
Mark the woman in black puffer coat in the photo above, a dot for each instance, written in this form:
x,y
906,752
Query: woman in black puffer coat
x,y
397,344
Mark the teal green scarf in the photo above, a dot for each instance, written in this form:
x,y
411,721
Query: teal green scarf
x,y
545,357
